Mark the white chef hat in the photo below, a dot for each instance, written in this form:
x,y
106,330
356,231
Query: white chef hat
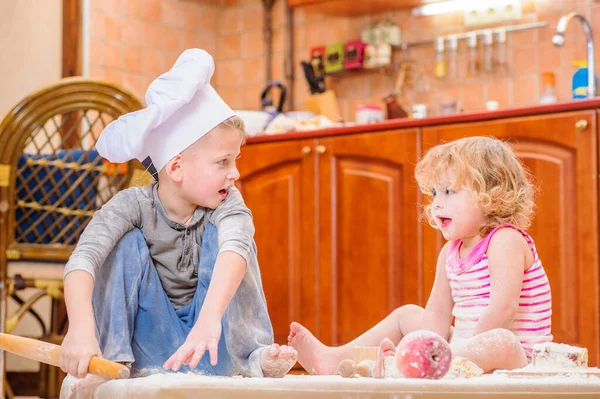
x,y
182,107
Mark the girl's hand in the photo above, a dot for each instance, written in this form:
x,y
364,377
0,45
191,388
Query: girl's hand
x,y
78,347
204,336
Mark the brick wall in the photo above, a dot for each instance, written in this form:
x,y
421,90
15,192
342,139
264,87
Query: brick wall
x,y
134,41
156,31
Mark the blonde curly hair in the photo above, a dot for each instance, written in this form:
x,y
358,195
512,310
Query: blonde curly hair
x,y
489,168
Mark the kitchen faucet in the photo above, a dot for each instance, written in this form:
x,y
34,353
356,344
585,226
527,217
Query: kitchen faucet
x,y
559,40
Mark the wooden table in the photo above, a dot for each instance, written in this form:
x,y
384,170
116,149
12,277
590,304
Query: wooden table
x,y
322,387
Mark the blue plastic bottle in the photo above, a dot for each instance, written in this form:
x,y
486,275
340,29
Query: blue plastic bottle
x,y
580,80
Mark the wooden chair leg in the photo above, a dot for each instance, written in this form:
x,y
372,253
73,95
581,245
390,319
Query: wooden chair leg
x,y
4,387
57,324
8,392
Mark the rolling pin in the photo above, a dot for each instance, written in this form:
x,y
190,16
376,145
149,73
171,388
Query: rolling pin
x,y
50,354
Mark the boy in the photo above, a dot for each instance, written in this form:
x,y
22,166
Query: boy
x,y
163,272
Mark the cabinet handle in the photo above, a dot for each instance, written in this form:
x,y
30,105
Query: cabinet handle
x,y
581,125
305,150
321,149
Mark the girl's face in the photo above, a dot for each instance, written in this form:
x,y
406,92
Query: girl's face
x,y
209,169
455,211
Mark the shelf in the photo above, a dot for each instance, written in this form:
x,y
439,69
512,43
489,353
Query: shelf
x,y
355,8
212,3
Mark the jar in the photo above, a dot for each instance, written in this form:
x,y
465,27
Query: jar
x,y
492,105
420,111
368,113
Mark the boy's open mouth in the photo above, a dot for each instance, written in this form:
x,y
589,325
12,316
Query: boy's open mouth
x,y
223,193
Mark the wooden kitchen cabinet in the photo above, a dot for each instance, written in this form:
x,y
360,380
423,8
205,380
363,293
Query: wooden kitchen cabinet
x,y
278,185
561,152
336,225
367,231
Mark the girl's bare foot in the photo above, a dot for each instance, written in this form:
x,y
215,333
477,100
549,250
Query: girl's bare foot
x,y
386,349
315,357
277,360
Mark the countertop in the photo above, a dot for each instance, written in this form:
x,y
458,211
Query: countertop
x,y
184,385
393,124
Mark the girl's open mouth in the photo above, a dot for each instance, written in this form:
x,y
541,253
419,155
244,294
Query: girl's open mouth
x,y
444,221
223,193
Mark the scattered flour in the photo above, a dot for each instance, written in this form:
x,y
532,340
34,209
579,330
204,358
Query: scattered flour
x,y
307,387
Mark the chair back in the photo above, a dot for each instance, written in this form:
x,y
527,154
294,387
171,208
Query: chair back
x,y
52,179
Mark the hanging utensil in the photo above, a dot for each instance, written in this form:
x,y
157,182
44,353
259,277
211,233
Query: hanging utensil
x,y
266,99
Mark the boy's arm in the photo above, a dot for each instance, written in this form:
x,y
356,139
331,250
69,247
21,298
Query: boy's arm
x,y
506,263
108,225
228,272
80,342
105,229
235,230
438,312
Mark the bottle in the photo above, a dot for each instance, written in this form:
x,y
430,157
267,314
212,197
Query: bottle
x,y
501,53
548,91
452,58
473,61
579,83
439,70
394,110
488,56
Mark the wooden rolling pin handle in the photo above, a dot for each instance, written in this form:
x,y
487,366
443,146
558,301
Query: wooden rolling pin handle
x,y
108,369
49,353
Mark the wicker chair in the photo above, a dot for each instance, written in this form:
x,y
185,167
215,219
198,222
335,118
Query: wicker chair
x,y
51,182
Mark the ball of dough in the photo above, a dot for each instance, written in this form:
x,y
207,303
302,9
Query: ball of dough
x,y
365,368
346,368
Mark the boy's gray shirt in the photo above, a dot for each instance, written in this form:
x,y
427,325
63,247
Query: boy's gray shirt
x,y
174,247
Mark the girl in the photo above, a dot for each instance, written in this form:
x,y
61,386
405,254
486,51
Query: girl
x,y
489,277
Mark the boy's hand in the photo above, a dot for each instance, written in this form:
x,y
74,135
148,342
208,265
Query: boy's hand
x,y
77,349
204,336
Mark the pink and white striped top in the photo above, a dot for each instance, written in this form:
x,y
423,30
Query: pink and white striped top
x,y
470,282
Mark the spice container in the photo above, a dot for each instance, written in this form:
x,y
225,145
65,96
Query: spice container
x,y
334,58
452,57
501,56
317,55
473,60
377,55
388,32
439,69
420,111
354,54
488,54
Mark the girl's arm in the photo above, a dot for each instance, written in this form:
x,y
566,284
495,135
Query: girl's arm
x,y
506,262
438,312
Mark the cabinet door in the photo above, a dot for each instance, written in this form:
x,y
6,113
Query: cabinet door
x,y
369,234
561,152
277,183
